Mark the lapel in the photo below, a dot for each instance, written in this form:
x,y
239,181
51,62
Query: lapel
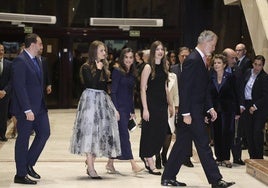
x,y
30,62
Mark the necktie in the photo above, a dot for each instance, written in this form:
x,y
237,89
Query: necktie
x,y
37,68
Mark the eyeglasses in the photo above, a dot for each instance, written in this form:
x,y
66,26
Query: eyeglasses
x,y
239,50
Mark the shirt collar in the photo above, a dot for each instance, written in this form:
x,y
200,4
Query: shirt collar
x,y
29,54
200,52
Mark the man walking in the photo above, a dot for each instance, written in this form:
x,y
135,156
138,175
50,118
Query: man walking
x,y
28,106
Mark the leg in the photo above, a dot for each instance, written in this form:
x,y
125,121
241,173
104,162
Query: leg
x,y
178,153
42,131
24,128
204,151
165,149
90,169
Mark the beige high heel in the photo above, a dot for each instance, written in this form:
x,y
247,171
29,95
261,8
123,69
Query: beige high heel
x,y
137,170
111,170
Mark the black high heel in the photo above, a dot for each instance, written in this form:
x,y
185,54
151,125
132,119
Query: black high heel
x,y
154,172
147,167
95,176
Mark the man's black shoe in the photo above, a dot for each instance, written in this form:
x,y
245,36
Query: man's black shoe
x,y
32,173
188,163
239,161
24,180
222,184
3,138
172,182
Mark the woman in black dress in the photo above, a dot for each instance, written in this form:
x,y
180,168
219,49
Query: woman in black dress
x,y
154,97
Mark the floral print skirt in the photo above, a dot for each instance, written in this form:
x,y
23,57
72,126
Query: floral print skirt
x,y
95,128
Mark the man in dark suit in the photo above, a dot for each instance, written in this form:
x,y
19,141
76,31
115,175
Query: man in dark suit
x,y
232,68
5,89
177,68
256,106
28,106
243,64
195,102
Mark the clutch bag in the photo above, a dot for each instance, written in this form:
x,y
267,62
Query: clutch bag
x,y
132,124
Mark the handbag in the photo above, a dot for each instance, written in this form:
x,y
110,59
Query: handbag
x,y
132,124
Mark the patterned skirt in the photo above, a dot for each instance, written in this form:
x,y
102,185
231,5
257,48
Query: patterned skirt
x,y
95,128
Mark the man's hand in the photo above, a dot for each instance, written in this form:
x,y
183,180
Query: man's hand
x,y
213,114
49,89
187,119
2,94
29,116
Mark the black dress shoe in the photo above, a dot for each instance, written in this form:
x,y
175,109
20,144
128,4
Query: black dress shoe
x,y
24,180
32,173
172,182
188,163
239,161
222,184
3,138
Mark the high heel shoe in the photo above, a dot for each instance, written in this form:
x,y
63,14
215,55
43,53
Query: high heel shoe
x,y
137,170
93,174
154,172
111,170
147,167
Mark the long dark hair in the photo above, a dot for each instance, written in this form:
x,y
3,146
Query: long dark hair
x,y
154,45
122,66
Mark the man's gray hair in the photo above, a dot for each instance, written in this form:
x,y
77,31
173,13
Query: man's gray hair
x,y
206,36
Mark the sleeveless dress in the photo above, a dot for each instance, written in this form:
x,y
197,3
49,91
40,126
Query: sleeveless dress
x,y
153,132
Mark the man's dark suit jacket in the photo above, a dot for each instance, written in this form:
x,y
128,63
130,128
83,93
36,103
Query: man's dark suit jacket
x,y
177,70
245,64
194,81
27,86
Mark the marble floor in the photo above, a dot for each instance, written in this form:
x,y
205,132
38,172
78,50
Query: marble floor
x,y
59,168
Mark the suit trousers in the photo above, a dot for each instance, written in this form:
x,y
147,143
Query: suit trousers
x,y
254,131
24,155
197,131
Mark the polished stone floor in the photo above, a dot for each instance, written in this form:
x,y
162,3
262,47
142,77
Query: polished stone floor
x,y
59,168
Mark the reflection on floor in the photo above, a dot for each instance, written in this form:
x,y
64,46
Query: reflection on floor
x,y
59,168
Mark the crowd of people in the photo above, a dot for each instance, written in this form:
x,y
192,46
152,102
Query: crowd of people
x,y
194,96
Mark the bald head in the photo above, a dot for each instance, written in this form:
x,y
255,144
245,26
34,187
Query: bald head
x,y
231,56
240,50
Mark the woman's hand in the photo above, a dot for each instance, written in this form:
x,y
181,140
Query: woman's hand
x,y
171,111
117,115
99,65
146,115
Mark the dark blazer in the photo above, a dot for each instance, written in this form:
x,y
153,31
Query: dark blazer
x,y
5,77
194,81
177,70
259,91
27,86
245,64
225,97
